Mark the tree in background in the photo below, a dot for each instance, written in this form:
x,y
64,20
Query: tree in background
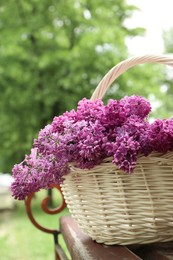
x,y
167,89
53,53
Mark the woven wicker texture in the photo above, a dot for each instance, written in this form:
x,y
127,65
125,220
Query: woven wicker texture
x,y
115,208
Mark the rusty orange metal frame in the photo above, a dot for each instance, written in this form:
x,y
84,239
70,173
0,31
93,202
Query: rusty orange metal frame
x,y
59,254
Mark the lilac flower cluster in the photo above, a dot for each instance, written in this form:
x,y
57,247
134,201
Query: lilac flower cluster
x,y
86,136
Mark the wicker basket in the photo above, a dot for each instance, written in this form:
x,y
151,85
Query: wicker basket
x,y
113,208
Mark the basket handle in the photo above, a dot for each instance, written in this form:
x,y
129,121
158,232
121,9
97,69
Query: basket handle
x,y
121,67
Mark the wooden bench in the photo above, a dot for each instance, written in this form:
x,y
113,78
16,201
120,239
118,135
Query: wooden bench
x,y
82,247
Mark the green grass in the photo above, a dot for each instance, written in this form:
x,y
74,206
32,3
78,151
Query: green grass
x,y
20,240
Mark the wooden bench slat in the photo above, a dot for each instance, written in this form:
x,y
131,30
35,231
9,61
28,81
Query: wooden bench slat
x,y
156,251
82,247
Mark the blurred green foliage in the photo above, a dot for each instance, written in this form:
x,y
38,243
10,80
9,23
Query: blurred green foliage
x,y
168,79
20,240
53,53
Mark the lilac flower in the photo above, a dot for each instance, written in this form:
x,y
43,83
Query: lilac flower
x,y
58,121
90,145
114,115
90,110
125,153
86,136
161,135
136,105
37,172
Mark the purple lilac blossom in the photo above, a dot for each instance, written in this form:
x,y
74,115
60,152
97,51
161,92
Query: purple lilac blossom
x,y
86,136
136,105
90,145
90,110
161,135
125,153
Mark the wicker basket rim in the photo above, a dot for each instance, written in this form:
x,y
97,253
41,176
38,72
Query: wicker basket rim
x,y
153,158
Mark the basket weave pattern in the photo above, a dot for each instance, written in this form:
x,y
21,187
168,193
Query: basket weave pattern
x,y
115,208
